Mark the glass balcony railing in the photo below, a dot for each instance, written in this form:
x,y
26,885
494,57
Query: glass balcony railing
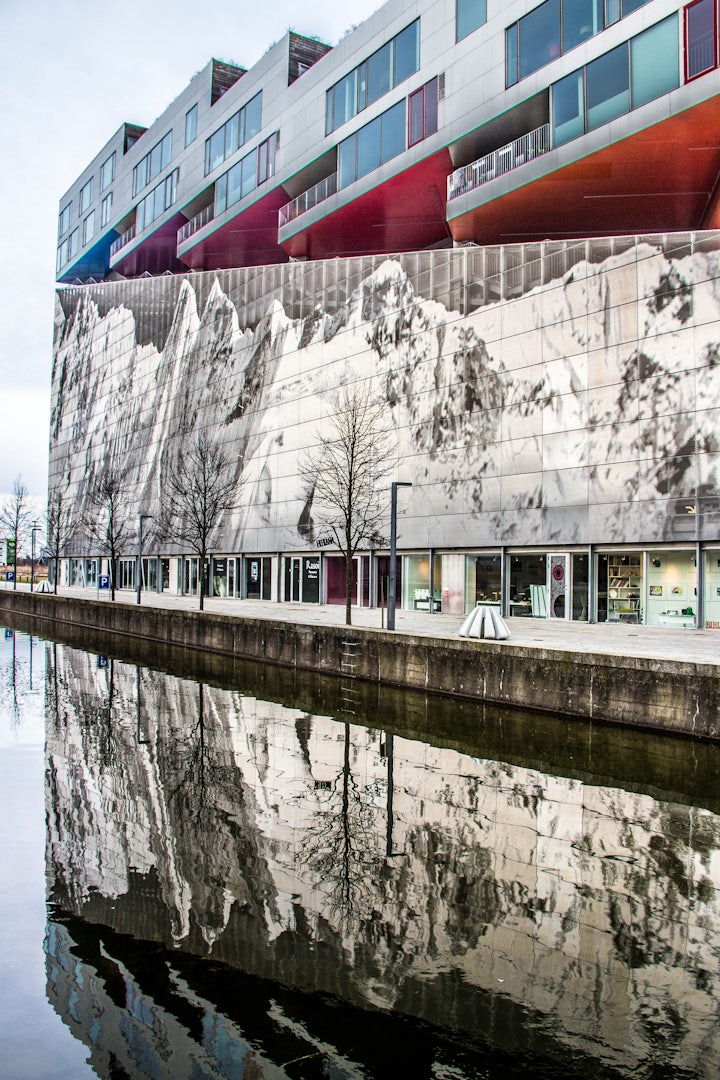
x,y
314,195
122,241
500,161
195,223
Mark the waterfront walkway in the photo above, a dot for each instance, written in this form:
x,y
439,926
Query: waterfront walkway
x,y
614,639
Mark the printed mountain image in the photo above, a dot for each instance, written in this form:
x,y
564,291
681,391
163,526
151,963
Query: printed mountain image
x,y
580,410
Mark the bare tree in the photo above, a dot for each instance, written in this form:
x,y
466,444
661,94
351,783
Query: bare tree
x,y
198,490
63,523
343,475
108,519
14,513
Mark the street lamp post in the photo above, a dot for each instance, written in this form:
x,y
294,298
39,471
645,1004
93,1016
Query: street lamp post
x,y
35,528
138,568
393,549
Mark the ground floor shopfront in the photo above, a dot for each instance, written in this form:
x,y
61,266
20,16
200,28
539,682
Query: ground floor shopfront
x,y
649,585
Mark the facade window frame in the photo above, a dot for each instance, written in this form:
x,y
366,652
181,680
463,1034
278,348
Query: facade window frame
x,y
239,129
156,202
107,172
155,161
64,218
612,12
88,228
464,18
357,80
686,40
191,124
105,208
422,108
85,197
246,175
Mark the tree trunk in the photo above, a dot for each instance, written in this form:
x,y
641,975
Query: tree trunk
x,y
348,588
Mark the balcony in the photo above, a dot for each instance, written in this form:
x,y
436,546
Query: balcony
x,y
314,195
121,241
498,162
196,223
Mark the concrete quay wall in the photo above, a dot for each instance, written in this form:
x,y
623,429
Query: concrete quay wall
x,y
659,695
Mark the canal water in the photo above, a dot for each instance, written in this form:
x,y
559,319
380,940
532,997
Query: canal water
x,y
214,870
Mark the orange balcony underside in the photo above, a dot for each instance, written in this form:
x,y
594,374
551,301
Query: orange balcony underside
x,y
660,180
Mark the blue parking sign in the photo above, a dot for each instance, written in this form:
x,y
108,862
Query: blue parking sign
x,y
104,581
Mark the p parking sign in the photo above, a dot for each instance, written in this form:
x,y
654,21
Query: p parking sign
x,y
104,581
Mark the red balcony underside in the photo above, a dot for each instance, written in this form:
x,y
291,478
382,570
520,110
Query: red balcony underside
x,y
660,180
154,254
250,239
406,213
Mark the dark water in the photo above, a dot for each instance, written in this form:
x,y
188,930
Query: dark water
x,y
249,873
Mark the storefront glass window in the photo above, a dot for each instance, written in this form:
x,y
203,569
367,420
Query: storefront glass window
x,y
527,585
671,588
417,585
482,580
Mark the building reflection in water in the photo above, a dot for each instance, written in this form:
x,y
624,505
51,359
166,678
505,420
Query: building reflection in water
x,y
239,888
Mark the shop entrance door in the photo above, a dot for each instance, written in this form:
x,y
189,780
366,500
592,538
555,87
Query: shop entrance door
x,y
295,579
558,577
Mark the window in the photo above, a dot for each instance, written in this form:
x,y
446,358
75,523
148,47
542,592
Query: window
x,y
107,172
654,61
88,228
254,169
105,208
423,112
64,219
235,132
373,145
68,249
568,108
469,14
152,164
86,192
581,19
191,117
607,87
157,202
599,92
555,27
386,68
700,38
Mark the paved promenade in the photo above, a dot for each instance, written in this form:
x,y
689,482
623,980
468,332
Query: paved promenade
x,y
615,639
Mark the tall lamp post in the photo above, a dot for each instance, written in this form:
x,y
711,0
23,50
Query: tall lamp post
x,y
138,569
35,528
392,586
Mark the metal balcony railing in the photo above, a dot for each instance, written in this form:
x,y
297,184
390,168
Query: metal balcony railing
x,y
122,241
500,161
314,195
195,223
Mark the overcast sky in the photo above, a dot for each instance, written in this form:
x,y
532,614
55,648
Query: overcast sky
x,y
71,71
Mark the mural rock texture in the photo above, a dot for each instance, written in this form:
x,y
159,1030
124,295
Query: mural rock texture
x,y
562,406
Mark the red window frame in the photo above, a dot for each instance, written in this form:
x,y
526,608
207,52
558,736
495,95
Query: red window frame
x,y
425,93
686,56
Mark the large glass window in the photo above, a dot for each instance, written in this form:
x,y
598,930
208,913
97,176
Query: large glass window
x,y
88,228
64,219
469,14
153,163
482,580
105,208
234,133
654,60
607,87
387,67
373,145
107,172
245,175
86,194
700,38
539,37
407,53
554,27
191,118
157,202
568,108
581,20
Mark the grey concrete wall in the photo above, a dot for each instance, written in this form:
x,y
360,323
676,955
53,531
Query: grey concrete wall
x,y
652,694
